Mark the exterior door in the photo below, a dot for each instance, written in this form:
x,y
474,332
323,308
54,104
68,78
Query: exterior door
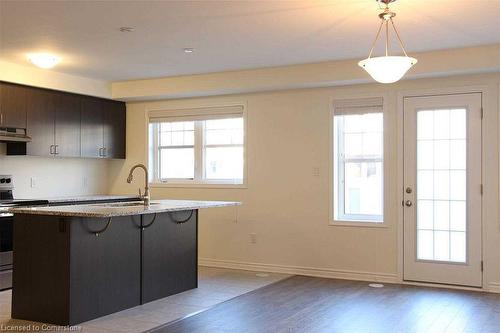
x,y
442,189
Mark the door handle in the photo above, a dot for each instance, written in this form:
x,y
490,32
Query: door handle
x,y
408,203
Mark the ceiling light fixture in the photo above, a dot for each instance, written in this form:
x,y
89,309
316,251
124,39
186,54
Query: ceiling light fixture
x,y
387,69
43,60
188,50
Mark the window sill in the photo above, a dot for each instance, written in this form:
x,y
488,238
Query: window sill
x,y
359,224
198,185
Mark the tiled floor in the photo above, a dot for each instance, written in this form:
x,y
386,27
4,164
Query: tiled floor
x,y
216,285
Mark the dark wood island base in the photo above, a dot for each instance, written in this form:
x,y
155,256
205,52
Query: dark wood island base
x,y
68,270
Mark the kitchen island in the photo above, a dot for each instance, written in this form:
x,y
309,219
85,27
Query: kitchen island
x,y
79,262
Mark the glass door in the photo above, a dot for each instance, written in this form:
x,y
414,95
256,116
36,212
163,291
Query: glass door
x,y
442,194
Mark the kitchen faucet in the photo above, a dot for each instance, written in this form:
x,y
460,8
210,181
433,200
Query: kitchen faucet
x,y
130,177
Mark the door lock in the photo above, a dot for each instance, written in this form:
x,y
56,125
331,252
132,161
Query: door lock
x,y
409,190
408,203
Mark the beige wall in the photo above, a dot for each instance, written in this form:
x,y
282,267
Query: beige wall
x,y
54,176
287,207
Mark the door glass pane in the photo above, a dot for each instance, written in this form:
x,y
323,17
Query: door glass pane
x,y
441,185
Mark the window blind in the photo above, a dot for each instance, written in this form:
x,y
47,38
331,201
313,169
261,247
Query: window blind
x,y
207,113
358,106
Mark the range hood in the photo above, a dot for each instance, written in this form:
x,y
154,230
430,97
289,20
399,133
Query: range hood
x,y
14,135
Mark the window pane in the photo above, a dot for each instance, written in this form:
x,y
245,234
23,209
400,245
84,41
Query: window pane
x,y
224,163
359,166
179,133
224,131
363,188
177,163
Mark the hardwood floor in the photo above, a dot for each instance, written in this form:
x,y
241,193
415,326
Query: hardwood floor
x,y
305,304
215,285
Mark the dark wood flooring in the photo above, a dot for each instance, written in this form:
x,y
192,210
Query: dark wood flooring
x,y
306,304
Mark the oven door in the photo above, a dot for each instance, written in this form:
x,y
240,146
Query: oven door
x,y
6,224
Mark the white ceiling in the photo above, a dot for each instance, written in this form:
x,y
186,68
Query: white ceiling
x,y
227,35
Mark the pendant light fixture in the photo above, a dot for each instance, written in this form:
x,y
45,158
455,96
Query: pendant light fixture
x,y
387,69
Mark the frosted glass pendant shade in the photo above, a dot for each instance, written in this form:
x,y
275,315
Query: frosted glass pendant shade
x,y
387,69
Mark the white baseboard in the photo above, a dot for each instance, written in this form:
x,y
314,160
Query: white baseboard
x,y
297,270
494,287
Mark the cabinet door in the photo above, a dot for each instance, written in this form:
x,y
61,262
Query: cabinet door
x,y
40,122
169,255
67,125
105,269
114,129
92,127
12,105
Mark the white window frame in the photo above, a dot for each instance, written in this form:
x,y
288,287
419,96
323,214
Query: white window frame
x,y
344,107
197,115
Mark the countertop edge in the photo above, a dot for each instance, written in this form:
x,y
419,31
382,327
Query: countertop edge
x,y
115,212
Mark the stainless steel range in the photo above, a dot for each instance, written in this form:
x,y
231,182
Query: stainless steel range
x,y
6,228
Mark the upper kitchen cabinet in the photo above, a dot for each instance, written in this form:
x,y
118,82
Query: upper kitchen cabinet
x,y
103,128
67,125
53,122
63,124
40,121
12,105
114,130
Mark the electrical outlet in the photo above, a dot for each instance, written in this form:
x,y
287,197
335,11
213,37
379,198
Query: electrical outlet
x,y
33,182
253,238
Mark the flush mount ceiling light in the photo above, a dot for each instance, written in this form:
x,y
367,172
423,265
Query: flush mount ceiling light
x,y
43,60
387,69
188,50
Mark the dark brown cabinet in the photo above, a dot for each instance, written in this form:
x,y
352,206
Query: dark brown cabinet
x,y
103,128
67,125
63,124
105,271
53,123
12,105
169,254
40,123
70,269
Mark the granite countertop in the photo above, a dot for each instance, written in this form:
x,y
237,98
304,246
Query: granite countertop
x,y
121,208
90,198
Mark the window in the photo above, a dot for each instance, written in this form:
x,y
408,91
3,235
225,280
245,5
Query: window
x,y
358,143
197,146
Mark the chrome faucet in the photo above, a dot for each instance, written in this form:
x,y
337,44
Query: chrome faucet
x,y
130,177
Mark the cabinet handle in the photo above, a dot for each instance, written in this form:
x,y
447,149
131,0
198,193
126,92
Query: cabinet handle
x,y
51,149
98,232
104,152
100,152
56,152
181,221
150,223
1,118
